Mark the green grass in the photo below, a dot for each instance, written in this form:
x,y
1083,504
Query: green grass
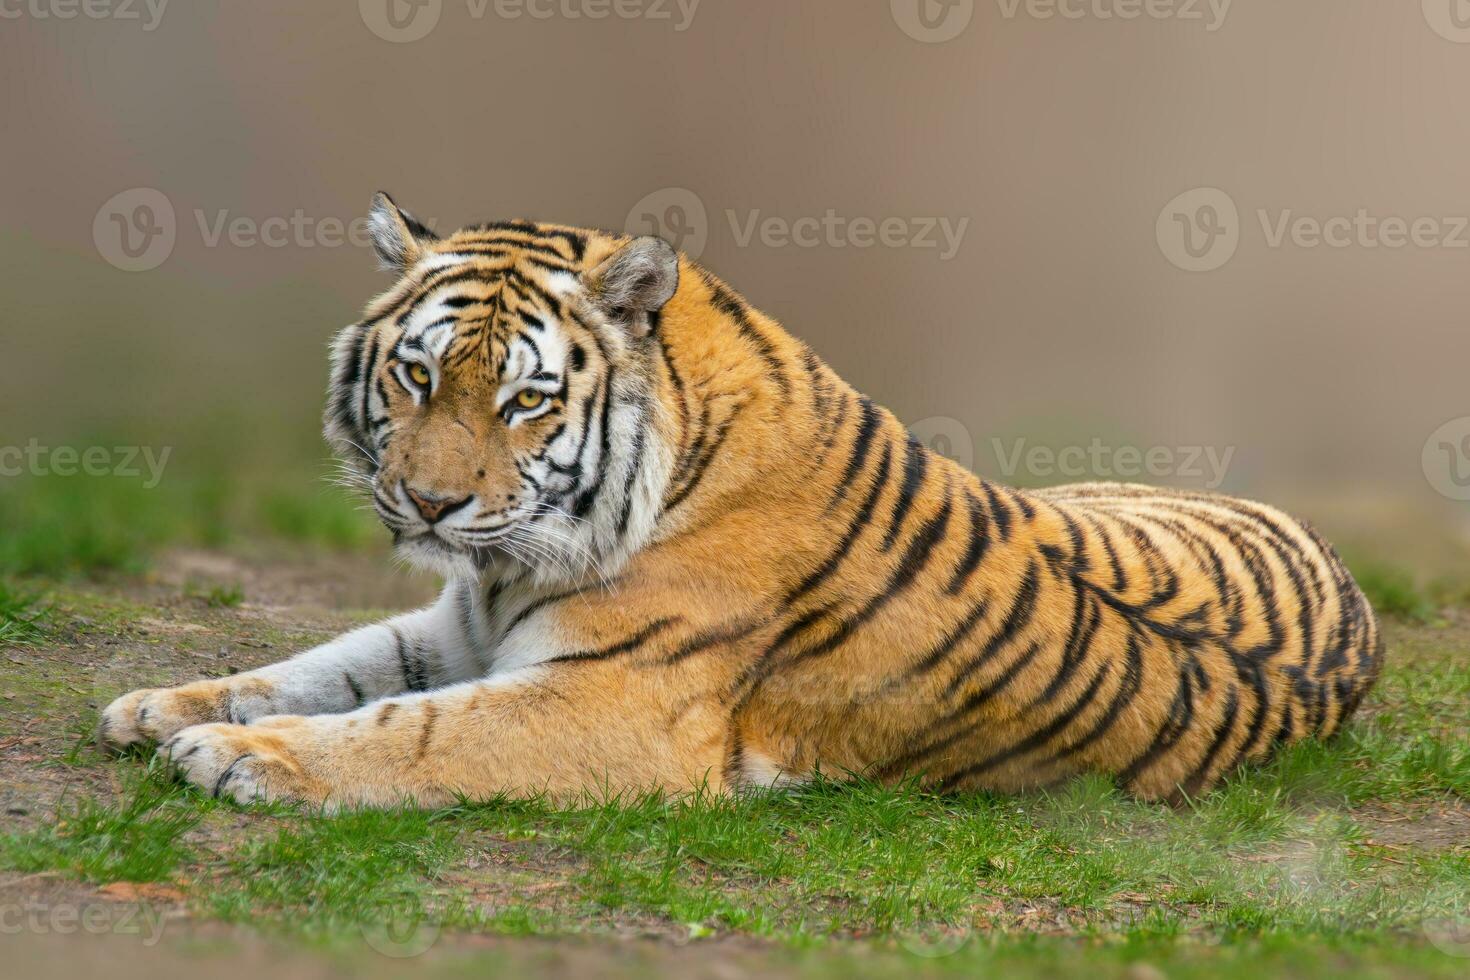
x,y
1393,591
24,618
1276,851
134,839
1279,872
326,517
66,526
216,596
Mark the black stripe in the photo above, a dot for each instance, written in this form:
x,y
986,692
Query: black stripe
x,y
352,686
706,457
915,557
1079,641
860,520
1128,689
574,468
915,464
1196,781
862,443
724,300
712,637
975,549
585,499
1252,676
952,639
635,466
617,649
965,708
679,395
999,512
531,608
224,777
1023,606
411,664
1036,739
1177,721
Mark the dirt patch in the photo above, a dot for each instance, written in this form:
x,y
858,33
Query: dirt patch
x,y
161,629
1439,827
307,584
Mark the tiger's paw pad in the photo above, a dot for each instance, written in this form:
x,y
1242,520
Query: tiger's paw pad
x,y
238,763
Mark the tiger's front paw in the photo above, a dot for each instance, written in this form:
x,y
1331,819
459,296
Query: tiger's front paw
x,y
244,763
153,715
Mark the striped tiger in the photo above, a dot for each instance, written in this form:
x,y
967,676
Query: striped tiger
x,y
681,553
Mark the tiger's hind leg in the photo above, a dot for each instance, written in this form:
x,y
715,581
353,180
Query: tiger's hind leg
x,y
413,652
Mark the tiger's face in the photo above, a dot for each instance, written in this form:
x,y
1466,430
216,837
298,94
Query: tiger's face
x,y
491,399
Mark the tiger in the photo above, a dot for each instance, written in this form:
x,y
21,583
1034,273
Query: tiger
x,y
681,555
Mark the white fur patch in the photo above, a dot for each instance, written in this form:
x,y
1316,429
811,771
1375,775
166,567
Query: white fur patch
x,y
762,772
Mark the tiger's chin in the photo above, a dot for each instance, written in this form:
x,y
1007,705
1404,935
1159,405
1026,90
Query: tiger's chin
x,y
450,560
431,553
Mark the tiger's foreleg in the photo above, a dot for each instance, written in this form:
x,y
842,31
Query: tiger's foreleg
x,y
415,652
563,729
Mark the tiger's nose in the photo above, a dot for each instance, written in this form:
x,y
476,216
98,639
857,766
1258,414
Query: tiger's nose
x,y
434,507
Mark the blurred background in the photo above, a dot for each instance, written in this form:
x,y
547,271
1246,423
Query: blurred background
x,y
1205,244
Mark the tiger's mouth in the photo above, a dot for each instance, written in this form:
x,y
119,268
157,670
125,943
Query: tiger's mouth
x,y
432,551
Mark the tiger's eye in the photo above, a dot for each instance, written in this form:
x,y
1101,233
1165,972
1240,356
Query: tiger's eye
x,y
530,398
419,375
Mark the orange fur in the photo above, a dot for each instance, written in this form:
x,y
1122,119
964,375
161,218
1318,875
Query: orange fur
x,y
817,592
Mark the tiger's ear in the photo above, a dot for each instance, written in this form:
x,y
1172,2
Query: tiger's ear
x,y
398,237
633,284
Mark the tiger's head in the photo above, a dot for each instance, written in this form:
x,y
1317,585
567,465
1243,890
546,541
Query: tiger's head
x,y
498,402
